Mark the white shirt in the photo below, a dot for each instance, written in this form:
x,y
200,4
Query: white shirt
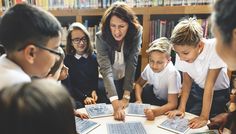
x,y
168,81
208,59
118,68
11,73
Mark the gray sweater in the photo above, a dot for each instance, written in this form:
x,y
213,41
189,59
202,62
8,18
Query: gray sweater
x,y
106,56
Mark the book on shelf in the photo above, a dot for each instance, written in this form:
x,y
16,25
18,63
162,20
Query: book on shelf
x,y
177,125
84,126
99,110
126,128
137,109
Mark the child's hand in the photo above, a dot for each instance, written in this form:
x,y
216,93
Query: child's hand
x,y
80,115
94,95
172,114
149,114
89,101
197,122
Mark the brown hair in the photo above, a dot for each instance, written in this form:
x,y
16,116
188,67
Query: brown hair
x,y
124,12
69,47
187,32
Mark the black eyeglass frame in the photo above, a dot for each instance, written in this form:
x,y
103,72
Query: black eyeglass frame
x,y
45,48
83,39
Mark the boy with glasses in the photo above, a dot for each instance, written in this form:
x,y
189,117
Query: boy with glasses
x,y
31,38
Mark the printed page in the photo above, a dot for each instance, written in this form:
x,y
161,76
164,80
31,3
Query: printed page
x,y
99,110
136,109
83,126
126,128
177,125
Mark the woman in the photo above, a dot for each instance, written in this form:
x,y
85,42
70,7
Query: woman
x,y
118,45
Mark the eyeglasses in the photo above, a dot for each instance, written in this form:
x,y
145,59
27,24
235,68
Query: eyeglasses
x,y
78,40
50,50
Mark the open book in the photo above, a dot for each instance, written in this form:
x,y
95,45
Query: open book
x,y
83,126
137,109
99,110
126,128
177,125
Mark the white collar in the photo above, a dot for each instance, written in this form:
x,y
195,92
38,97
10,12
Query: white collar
x,y
77,56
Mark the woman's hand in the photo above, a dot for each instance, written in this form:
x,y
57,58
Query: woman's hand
x,y
197,122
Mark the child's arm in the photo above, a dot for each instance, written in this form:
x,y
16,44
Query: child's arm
x,y
172,104
186,87
138,88
207,99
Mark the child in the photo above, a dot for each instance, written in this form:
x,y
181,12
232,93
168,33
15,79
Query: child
x,y
203,70
31,38
39,107
83,68
60,72
161,73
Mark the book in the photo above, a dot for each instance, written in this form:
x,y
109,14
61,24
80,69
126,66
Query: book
x,y
177,125
83,126
126,128
137,109
99,110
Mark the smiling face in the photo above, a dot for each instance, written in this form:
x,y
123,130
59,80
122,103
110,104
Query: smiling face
x,y
79,41
188,53
118,28
226,51
158,61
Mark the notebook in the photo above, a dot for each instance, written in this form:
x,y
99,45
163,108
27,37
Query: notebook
x,y
83,126
136,109
99,110
177,125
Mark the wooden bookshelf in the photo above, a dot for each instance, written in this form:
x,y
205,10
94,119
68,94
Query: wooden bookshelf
x,y
145,12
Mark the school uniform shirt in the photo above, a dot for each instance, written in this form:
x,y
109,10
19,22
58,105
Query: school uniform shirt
x,y
208,59
83,75
168,81
11,73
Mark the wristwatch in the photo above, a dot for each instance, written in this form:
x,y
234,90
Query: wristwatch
x,y
127,97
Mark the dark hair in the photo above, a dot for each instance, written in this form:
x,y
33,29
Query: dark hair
x,y
224,17
23,24
124,12
69,47
40,107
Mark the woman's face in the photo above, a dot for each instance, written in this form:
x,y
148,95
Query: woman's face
x,y
79,41
118,28
226,51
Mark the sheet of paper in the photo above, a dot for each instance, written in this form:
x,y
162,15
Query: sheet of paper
x,y
177,125
126,128
137,109
99,110
83,126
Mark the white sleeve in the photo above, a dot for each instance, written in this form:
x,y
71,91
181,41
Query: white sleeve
x,y
174,83
216,61
145,73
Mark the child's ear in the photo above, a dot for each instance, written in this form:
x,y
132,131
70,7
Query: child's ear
x,y
29,53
